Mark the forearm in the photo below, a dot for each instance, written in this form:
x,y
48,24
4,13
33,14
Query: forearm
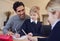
x,y
5,31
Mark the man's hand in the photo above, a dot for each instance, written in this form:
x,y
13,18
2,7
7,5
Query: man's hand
x,y
10,33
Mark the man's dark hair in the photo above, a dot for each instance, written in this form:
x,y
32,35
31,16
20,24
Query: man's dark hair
x,y
17,4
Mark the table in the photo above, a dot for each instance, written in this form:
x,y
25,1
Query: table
x,y
20,40
34,38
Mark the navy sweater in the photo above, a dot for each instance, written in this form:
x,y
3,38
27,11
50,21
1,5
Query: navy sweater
x,y
31,27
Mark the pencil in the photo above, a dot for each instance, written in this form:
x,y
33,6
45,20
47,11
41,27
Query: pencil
x,y
24,32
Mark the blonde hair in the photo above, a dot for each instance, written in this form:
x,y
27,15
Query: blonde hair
x,y
36,9
53,6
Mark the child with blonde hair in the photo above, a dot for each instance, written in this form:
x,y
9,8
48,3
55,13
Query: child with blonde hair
x,y
32,26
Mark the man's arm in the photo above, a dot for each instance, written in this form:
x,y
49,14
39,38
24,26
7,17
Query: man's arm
x,y
7,26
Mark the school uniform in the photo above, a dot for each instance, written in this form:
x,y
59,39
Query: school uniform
x,y
55,33
30,26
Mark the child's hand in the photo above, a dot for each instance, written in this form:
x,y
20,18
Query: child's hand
x,y
30,34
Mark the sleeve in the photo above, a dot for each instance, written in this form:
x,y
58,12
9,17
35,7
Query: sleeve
x,y
8,25
55,34
23,27
39,30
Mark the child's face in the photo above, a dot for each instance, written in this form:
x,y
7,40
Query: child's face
x,y
33,15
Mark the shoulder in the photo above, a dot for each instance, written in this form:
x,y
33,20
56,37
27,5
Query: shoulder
x,y
12,17
57,27
27,20
39,22
27,17
15,17
57,24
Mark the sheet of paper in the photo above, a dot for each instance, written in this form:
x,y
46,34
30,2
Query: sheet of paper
x,y
23,37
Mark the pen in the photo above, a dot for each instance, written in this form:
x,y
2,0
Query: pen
x,y
24,32
16,30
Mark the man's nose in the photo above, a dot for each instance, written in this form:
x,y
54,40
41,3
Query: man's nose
x,y
21,12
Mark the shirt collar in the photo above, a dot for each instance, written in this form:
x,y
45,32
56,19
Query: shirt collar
x,y
55,23
31,20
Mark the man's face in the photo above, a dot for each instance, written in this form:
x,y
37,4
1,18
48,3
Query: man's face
x,y
21,12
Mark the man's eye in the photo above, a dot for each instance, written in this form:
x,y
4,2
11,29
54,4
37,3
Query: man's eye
x,y
18,11
22,9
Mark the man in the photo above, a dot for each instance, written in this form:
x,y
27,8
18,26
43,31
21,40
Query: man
x,y
54,18
14,23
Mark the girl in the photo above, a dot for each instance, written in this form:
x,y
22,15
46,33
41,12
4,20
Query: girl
x,y
33,25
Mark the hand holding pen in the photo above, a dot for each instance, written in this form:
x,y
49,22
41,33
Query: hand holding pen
x,y
30,34
16,34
